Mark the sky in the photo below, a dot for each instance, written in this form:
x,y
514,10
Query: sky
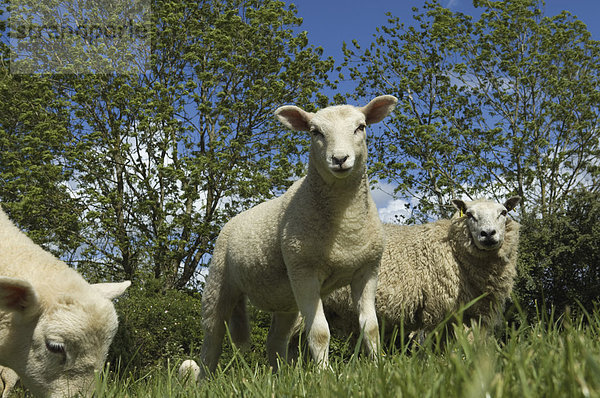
x,y
330,23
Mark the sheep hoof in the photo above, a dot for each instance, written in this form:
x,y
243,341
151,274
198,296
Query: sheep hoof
x,y
188,371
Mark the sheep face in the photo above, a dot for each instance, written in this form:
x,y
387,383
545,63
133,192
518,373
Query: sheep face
x,y
338,140
61,361
486,221
338,133
56,347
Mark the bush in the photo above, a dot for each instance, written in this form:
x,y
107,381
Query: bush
x,y
559,261
156,325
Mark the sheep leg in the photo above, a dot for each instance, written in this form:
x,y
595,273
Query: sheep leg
x,y
364,286
307,291
282,326
217,309
211,347
239,328
8,379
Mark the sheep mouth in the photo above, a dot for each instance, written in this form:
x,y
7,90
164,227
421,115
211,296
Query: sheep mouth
x,y
489,244
341,170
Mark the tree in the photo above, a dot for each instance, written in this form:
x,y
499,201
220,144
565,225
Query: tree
x,y
538,82
162,158
506,104
34,177
560,257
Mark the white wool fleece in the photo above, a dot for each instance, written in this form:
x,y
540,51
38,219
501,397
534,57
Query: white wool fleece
x,y
286,253
55,328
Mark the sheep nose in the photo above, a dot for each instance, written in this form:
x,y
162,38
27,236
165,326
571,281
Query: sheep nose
x,y
339,160
490,233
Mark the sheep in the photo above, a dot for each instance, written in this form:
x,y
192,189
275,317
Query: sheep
x,y
286,253
55,328
432,270
8,380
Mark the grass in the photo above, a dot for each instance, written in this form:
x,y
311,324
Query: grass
x,y
550,358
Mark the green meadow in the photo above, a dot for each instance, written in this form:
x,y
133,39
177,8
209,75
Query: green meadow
x,y
546,358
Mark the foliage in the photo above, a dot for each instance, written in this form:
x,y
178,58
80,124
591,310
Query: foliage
x,y
33,184
559,264
162,157
157,326
505,104
33,174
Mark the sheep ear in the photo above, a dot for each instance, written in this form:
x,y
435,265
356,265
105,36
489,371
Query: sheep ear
x,y
294,118
17,295
379,108
111,290
460,205
512,203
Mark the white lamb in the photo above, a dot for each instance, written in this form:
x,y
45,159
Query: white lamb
x,y
288,252
55,328
432,270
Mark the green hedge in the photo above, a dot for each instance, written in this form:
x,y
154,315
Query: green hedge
x,y
156,326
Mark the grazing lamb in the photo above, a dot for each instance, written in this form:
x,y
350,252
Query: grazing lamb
x,y
55,328
429,271
286,253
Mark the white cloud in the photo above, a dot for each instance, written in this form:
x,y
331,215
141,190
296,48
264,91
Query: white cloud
x,y
394,211
453,4
388,206
382,194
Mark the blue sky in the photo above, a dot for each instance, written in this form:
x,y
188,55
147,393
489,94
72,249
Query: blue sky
x,y
331,22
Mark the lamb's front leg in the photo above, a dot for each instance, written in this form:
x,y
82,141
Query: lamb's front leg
x,y
364,286
307,291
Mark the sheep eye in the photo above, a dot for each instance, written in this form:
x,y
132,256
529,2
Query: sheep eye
x,y
470,215
360,128
316,132
54,347
503,212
